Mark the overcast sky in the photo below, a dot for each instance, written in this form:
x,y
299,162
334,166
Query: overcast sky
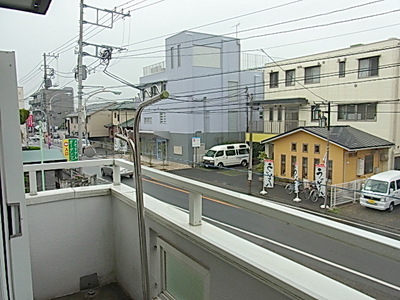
x,y
286,29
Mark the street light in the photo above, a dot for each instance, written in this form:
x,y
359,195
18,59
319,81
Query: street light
x,y
82,115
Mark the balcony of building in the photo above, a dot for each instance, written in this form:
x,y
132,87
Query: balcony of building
x,y
84,237
277,127
154,68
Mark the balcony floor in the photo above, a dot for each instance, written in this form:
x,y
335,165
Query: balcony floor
x,y
110,291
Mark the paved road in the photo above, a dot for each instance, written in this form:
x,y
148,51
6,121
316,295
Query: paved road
x,y
373,274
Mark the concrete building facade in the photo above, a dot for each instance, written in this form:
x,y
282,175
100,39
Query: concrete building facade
x,y
361,84
208,96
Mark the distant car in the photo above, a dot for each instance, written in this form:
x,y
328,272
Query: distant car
x,y
108,171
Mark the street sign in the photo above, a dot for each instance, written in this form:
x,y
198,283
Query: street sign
x,y
195,142
65,149
73,149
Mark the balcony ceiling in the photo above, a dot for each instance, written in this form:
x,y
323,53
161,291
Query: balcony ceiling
x,y
33,6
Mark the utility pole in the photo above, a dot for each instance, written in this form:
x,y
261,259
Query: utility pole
x,y
250,127
44,94
81,75
80,78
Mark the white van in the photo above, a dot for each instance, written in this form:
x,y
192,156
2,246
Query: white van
x,y
227,155
381,191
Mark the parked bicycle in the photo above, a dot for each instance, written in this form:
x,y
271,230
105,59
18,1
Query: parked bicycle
x,y
308,191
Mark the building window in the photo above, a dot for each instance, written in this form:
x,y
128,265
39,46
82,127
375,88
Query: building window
x,y
290,77
293,165
368,164
304,167
342,68
283,164
314,115
147,120
316,163
368,67
163,118
294,147
181,276
317,149
172,57
273,79
305,148
312,74
357,112
178,54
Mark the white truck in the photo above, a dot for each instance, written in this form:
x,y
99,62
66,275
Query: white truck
x,y
227,155
381,191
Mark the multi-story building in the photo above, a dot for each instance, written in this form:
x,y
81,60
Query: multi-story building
x,y
208,95
360,84
52,106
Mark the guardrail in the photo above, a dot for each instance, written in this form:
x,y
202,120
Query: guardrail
x,y
197,190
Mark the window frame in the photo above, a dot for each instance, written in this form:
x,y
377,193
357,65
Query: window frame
x,y
371,70
358,112
186,260
313,77
317,149
369,164
274,82
293,147
342,69
163,118
290,80
283,164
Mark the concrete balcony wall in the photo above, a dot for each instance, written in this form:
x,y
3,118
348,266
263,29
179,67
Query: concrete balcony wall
x,y
75,232
72,236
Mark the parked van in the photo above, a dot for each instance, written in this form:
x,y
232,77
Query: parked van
x,y
382,191
227,155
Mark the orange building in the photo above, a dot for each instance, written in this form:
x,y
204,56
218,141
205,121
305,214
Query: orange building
x,y
353,153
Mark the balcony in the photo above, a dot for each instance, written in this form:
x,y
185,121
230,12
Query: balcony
x,y
153,69
77,232
278,127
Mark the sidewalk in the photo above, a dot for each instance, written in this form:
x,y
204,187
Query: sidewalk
x,y
236,179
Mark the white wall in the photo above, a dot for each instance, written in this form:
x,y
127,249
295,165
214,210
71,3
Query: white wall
x,y
70,238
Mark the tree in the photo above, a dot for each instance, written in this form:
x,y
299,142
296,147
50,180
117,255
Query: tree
x,y
23,116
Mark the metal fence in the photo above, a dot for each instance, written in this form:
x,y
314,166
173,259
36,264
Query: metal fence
x,y
347,192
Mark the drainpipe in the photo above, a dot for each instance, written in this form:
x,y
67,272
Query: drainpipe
x,y
135,147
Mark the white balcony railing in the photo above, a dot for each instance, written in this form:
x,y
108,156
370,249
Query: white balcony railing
x,y
94,229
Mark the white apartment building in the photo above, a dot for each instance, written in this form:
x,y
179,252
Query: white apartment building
x,y
361,83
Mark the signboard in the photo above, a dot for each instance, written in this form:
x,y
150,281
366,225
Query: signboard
x,y
320,179
70,149
65,150
268,173
195,142
29,121
120,145
73,149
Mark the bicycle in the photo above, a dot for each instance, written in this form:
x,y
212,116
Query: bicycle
x,y
311,193
290,188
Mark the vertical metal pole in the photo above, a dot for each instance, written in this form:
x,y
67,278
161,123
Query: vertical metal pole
x,y
250,169
327,155
135,147
41,154
80,87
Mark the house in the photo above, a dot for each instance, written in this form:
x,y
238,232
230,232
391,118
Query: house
x,y
353,153
209,95
97,116
122,114
360,83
